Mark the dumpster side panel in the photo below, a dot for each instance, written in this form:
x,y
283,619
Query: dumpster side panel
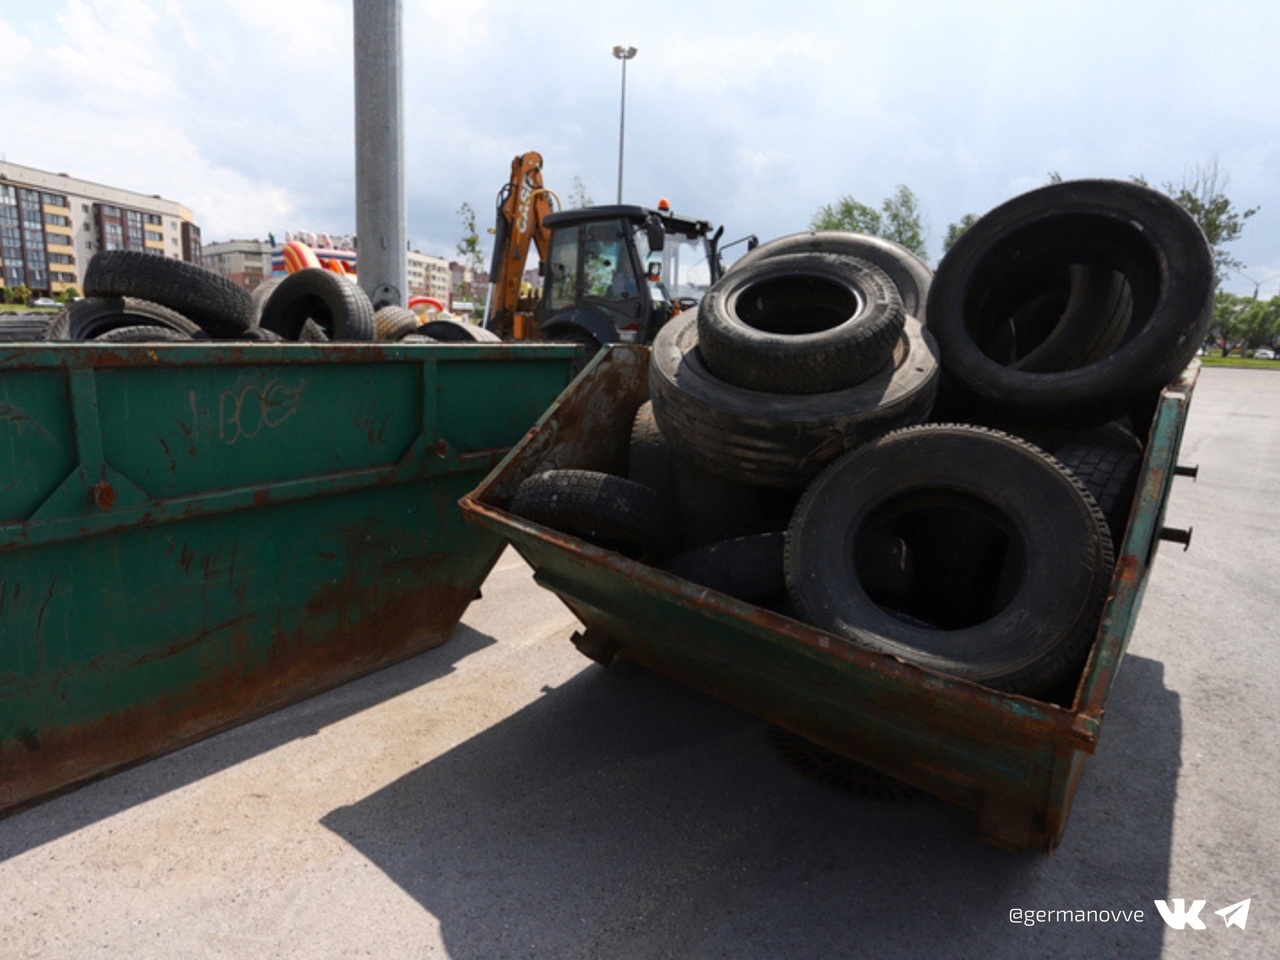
x,y
325,541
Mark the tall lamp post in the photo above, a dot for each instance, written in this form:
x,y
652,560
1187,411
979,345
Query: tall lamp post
x,y
624,54
1258,284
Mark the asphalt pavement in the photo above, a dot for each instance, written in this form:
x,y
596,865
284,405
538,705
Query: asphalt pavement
x,y
501,796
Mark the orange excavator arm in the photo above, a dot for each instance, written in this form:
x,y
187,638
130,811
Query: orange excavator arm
x,y
522,204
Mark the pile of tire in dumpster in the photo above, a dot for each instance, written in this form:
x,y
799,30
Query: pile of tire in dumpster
x,y
136,297
934,466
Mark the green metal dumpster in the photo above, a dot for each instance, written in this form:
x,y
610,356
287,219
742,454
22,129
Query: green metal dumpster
x,y
193,535
1013,760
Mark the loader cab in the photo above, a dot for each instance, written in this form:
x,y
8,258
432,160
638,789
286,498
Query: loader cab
x,y
618,273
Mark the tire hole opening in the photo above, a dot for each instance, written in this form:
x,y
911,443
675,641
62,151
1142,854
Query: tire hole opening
x,y
944,560
1063,293
797,304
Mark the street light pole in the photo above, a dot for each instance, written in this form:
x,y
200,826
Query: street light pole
x,y
1257,284
624,54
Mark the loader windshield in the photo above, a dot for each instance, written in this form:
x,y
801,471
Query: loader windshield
x,y
593,265
686,271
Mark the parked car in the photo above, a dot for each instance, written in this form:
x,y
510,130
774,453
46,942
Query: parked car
x,y
44,302
1264,354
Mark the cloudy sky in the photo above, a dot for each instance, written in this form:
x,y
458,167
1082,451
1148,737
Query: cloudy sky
x,y
751,114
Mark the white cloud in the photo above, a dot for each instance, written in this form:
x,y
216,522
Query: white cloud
x,y
751,113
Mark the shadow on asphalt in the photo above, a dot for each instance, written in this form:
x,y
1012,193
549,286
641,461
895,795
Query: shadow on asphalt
x,y
108,796
623,815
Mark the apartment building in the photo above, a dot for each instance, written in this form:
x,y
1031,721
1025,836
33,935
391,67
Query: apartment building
x,y
51,225
246,262
429,276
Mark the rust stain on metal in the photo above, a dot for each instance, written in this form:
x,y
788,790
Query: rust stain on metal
x,y
1128,569
348,631
173,464
104,495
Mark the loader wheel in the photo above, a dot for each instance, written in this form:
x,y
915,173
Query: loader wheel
x,y
1006,556
799,323
91,318
220,307
588,346
609,511
332,302
781,441
996,267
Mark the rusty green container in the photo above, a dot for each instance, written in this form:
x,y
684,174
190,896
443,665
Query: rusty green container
x,y
1015,761
193,535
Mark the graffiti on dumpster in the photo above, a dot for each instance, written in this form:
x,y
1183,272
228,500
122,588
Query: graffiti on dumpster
x,y
245,413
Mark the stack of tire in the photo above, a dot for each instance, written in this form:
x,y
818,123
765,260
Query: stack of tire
x,y
934,467
135,297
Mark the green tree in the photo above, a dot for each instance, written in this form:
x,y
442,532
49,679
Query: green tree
x,y
578,196
898,219
70,293
954,230
1244,322
1202,192
470,251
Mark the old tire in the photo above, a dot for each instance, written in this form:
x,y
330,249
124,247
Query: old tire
x,y
799,323
91,318
393,323
1110,474
1007,557
910,275
609,511
1140,234
781,441
457,331
24,327
708,507
220,307
750,568
333,303
259,295
143,333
